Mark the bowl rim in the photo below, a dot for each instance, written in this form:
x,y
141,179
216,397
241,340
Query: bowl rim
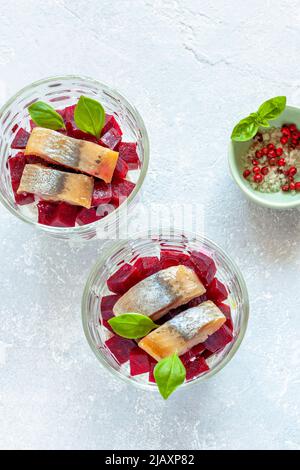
x,y
290,204
114,247
142,176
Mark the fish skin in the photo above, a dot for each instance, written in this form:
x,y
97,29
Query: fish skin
x,y
81,155
55,185
181,333
158,293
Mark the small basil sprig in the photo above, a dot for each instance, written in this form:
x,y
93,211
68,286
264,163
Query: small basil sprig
x,y
89,116
169,374
44,115
248,127
132,325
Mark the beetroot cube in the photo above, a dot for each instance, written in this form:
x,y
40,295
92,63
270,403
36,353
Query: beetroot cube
x,y
123,279
139,361
196,367
227,312
170,258
121,169
153,363
65,215
206,354
128,152
46,212
121,189
204,266
197,301
111,139
78,134
216,291
33,159
107,304
87,216
102,193
20,139
147,265
24,198
197,350
120,348
110,123
68,114
194,352
219,339
16,166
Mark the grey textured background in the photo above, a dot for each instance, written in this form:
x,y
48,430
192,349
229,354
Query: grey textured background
x,y
192,68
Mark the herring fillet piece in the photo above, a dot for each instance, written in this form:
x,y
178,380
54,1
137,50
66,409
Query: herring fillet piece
x,y
157,294
81,155
181,333
54,185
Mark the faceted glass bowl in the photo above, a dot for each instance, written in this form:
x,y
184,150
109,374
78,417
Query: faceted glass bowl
x,y
61,92
128,251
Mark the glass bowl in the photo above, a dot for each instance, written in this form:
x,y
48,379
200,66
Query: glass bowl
x,y
127,251
61,92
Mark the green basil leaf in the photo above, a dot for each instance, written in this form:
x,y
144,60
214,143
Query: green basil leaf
x,y
132,325
169,373
245,129
272,108
44,115
263,122
89,116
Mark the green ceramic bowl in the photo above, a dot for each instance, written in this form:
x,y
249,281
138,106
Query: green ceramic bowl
x,y
278,200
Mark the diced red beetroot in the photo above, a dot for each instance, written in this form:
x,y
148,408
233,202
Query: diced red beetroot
x,y
153,363
20,139
197,301
147,265
196,367
46,212
23,198
170,258
120,348
78,134
171,314
107,304
121,169
123,279
204,266
219,339
216,291
139,361
68,114
121,189
206,354
197,350
65,215
32,124
33,159
127,151
102,193
110,123
227,312
16,167
87,216
111,138
15,127
192,353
